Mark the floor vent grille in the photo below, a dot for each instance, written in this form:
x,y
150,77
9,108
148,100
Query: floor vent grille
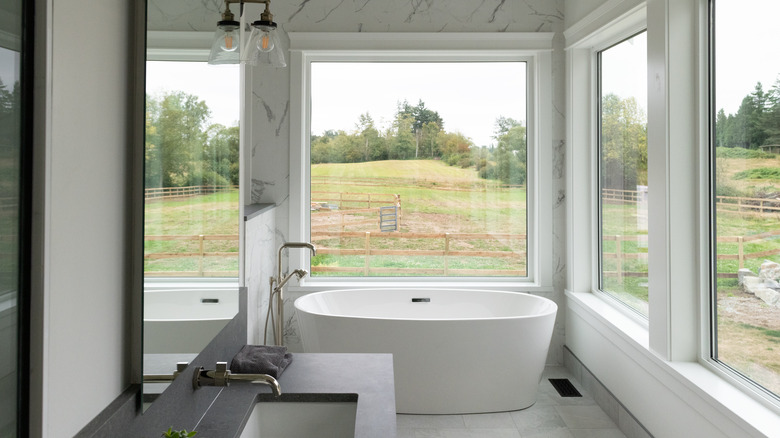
x,y
565,388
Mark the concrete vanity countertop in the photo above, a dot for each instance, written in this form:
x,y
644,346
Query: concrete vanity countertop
x,y
370,376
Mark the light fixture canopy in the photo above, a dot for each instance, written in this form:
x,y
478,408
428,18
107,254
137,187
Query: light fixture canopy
x,y
263,47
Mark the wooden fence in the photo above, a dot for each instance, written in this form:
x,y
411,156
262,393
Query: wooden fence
x,y
342,223
347,200
200,254
326,205
741,256
727,204
367,250
447,253
184,192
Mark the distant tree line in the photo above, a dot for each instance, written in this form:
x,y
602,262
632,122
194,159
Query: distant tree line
x,y
623,143
417,132
183,149
756,122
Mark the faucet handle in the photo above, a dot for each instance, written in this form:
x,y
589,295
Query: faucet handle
x,y
222,374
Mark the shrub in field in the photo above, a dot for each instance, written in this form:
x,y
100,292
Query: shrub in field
x,y
759,173
724,152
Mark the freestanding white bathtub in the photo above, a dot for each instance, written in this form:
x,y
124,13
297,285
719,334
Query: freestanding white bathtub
x,y
454,351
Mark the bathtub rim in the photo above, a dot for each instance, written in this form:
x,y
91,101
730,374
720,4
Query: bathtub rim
x,y
220,289
552,309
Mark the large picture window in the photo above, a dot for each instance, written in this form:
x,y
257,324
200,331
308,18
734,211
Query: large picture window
x,y
623,187
417,162
746,188
416,171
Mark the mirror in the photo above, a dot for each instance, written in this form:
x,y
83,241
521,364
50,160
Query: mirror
x,y
191,199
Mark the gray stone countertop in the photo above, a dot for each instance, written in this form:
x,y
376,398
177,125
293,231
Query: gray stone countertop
x,y
370,376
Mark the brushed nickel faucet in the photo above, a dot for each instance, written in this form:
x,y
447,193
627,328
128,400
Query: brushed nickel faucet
x,y
277,285
221,376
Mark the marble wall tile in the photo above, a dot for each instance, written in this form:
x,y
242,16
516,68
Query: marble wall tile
x,y
260,265
183,15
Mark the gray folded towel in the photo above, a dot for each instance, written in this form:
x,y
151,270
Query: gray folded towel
x,y
261,359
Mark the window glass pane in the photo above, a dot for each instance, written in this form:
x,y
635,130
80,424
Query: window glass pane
x,y
10,189
418,169
191,174
747,190
623,171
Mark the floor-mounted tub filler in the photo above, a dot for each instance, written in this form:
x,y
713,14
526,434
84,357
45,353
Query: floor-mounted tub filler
x,y
454,351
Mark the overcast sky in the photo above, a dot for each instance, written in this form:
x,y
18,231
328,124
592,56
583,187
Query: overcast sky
x,y
746,49
469,97
217,85
624,70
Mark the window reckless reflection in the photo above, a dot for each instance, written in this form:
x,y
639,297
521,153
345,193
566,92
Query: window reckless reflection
x,y
746,182
623,171
191,170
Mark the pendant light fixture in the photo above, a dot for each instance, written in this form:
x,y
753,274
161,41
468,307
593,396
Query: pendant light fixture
x,y
224,48
263,47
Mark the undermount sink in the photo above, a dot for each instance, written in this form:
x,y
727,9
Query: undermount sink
x,y
303,416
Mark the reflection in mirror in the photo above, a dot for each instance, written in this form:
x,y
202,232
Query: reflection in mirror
x,y
191,209
12,122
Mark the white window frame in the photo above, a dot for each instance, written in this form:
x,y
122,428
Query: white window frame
x,y
533,48
582,220
669,352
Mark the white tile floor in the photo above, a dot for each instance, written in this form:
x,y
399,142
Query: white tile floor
x,y
552,416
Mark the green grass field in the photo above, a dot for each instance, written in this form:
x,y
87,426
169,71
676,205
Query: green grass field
x,y
214,214
435,198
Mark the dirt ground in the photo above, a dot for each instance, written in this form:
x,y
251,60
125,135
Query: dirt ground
x,y
746,308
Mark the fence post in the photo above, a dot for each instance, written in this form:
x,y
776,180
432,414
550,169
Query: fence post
x,y
741,252
368,252
446,253
619,257
369,200
398,203
341,201
200,258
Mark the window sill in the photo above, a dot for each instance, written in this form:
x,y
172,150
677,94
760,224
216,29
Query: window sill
x,y
309,285
718,401
189,283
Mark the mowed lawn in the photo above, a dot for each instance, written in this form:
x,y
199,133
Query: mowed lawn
x,y
435,198
208,215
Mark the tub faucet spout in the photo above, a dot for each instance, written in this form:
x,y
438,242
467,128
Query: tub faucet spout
x,y
291,245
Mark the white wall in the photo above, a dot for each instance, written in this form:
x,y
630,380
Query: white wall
x,y
269,151
80,338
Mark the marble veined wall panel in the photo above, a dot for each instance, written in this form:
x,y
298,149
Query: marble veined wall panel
x,y
259,268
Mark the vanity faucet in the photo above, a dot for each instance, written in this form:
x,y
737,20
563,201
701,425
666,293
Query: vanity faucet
x,y
221,376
